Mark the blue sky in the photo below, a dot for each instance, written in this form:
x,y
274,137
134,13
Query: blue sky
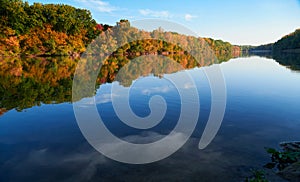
x,y
241,22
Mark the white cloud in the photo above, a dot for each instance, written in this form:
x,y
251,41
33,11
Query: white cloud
x,y
99,5
189,17
156,14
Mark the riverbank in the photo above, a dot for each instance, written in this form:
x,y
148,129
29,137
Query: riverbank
x,y
286,161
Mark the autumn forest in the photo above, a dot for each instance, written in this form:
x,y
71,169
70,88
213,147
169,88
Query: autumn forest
x,y
40,45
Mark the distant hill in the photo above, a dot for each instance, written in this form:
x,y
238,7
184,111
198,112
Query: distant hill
x,y
288,43
262,48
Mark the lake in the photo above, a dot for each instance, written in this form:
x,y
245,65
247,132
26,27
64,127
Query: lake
x,y
40,139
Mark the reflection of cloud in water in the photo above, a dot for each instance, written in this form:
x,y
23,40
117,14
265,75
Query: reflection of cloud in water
x,y
222,160
81,164
147,150
47,165
189,85
104,98
99,99
156,90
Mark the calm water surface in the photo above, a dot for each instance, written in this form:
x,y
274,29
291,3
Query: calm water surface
x,y
44,143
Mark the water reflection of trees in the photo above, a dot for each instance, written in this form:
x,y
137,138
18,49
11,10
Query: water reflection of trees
x,y
290,60
31,82
28,82
155,65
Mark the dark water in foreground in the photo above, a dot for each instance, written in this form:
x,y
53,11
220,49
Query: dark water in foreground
x,y
44,143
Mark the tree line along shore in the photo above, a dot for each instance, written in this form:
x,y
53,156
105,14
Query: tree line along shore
x,y
63,30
